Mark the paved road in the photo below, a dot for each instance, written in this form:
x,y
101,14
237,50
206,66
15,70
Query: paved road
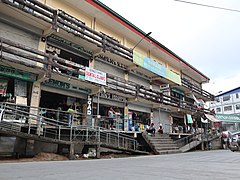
x,y
219,164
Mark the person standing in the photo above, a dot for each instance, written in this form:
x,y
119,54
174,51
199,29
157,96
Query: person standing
x,y
70,115
111,113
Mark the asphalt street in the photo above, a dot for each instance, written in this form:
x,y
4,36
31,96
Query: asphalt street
x,y
218,164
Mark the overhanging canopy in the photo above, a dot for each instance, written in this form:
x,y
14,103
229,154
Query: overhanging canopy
x,y
234,118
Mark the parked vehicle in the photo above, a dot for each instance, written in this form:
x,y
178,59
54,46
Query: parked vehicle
x,y
235,144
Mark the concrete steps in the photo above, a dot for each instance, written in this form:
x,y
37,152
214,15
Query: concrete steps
x,y
161,144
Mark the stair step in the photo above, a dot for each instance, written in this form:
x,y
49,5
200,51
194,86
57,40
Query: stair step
x,y
166,148
165,145
169,151
162,141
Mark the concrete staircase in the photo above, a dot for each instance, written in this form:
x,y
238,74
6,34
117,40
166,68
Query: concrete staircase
x,y
161,144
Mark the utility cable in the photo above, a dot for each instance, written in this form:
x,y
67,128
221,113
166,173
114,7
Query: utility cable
x,y
205,5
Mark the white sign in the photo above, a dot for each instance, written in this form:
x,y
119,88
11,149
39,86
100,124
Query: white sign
x,y
89,106
96,76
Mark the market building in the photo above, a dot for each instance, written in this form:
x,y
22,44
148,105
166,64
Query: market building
x,y
81,53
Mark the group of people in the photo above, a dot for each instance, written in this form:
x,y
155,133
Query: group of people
x,y
152,130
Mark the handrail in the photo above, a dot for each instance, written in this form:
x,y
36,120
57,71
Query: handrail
x,y
39,125
186,140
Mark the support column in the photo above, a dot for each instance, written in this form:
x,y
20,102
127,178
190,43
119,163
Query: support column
x,y
126,75
98,155
125,123
92,62
71,151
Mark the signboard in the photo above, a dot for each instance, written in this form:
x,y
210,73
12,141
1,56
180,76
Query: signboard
x,y
64,85
233,118
95,76
113,97
155,67
15,73
228,117
173,77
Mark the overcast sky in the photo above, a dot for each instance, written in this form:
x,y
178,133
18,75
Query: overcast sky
x,y
207,38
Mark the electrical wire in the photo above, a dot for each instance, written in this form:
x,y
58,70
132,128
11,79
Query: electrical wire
x,y
205,5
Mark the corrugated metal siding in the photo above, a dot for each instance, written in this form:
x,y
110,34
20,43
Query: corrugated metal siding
x,y
136,107
107,68
139,80
164,120
20,36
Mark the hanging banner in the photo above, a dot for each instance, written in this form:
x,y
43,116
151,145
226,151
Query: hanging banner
x,y
3,86
155,67
173,77
95,76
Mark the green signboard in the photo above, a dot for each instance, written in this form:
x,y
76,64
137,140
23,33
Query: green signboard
x,y
228,117
15,73
66,86
155,67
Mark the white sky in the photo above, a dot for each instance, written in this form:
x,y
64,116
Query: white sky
x,y
207,38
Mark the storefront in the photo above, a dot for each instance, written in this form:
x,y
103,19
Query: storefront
x,y
104,102
58,95
138,117
16,85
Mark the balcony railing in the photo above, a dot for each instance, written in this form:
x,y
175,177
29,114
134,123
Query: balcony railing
x,y
60,19
196,89
48,62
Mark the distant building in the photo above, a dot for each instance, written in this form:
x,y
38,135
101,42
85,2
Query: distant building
x,y
227,102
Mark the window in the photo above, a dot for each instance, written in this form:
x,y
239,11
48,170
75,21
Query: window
x,y
227,108
237,96
218,109
217,99
237,106
226,98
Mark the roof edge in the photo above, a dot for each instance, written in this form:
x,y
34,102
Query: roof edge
x,y
142,33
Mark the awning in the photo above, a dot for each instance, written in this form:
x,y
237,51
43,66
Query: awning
x,y
228,118
212,118
224,118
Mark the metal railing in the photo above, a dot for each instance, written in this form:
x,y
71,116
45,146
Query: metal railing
x,y
17,118
186,140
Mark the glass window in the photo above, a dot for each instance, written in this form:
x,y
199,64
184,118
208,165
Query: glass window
x,y
217,99
237,106
237,96
226,98
218,109
227,108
